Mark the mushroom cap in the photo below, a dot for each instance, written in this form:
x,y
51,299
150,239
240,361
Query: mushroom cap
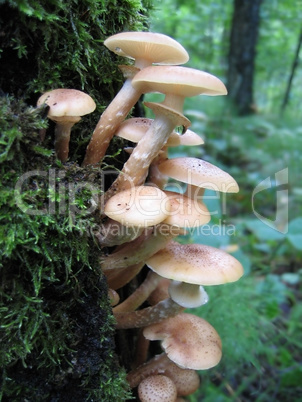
x,y
186,212
135,128
189,341
67,102
196,264
199,173
157,388
186,381
177,80
153,47
139,206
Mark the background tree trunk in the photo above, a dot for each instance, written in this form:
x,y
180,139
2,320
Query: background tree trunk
x,y
292,73
243,40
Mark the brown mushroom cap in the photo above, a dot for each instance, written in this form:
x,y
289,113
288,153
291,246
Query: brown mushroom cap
x,y
135,128
199,173
157,388
67,102
195,264
189,341
139,206
176,80
153,47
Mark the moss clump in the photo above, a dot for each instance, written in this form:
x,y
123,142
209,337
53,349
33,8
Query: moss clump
x,y
56,326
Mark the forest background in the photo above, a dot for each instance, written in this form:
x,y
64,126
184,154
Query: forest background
x,y
259,318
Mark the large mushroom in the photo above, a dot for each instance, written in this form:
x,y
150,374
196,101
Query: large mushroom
x,y
176,83
189,266
188,340
145,48
66,106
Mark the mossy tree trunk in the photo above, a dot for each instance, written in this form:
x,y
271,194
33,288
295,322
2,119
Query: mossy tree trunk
x,y
57,330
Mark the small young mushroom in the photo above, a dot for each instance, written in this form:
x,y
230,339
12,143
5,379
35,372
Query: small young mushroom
x,y
157,388
146,48
176,83
66,106
187,381
189,341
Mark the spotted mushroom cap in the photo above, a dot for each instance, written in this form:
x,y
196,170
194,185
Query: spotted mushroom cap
x,y
152,47
157,388
189,341
196,264
199,173
139,206
67,102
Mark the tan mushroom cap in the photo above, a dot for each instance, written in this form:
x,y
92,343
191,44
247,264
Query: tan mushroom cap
x,y
176,80
157,388
195,264
185,212
189,341
153,47
199,173
139,206
135,128
67,102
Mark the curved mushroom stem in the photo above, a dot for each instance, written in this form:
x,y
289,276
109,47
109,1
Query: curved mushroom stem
x,y
155,176
150,315
147,244
140,295
113,233
62,137
158,364
109,121
119,277
136,168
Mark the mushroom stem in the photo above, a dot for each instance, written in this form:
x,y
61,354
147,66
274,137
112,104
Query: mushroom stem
x,y
150,315
62,137
194,192
119,277
136,168
140,294
109,121
158,364
113,233
147,244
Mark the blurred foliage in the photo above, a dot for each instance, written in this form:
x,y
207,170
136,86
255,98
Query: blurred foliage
x,y
259,317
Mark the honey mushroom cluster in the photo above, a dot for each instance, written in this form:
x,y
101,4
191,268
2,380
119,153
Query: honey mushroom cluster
x,y
143,219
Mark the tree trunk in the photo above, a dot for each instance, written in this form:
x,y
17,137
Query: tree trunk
x,y
292,73
57,329
243,40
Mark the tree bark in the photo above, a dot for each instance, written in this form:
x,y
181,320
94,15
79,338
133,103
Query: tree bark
x,y
243,41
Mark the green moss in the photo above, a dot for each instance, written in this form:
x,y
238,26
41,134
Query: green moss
x,y
57,330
